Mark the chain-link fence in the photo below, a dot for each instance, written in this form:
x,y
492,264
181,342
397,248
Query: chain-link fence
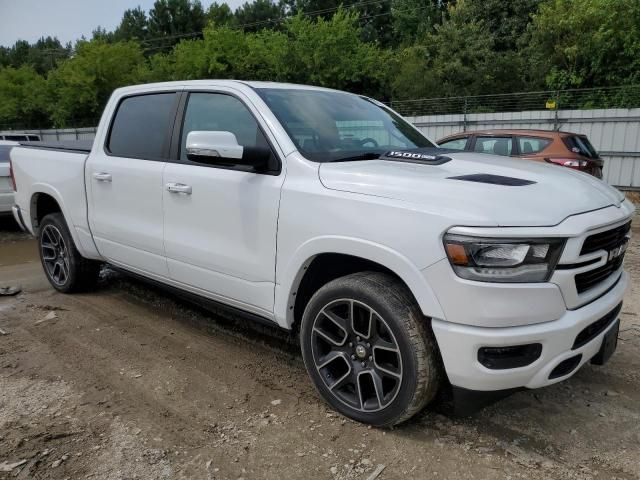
x,y
576,99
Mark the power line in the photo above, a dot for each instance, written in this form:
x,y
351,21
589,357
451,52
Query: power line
x,y
272,21
366,17
351,6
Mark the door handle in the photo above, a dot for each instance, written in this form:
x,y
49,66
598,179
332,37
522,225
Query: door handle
x,y
179,188
102,177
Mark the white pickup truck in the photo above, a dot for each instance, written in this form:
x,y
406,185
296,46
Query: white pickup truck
x,y
403,267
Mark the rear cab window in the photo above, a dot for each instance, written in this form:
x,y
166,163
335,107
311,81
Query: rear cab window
x,y
494,145
141,126
530,145
455,143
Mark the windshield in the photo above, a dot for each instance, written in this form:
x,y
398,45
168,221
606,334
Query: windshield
x,y
328,126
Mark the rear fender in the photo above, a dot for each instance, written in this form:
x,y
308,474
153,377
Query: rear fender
x,y
81,236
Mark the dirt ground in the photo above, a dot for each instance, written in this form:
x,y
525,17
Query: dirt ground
x,y
129,382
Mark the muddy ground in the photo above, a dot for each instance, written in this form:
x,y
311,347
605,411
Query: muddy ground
x,y
129,382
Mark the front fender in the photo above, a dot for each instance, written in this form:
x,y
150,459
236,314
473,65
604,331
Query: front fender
x,y
289,277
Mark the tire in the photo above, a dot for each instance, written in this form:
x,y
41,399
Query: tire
x,y
66,270
368,349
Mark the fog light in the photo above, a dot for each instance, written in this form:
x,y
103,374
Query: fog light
x,y
502,358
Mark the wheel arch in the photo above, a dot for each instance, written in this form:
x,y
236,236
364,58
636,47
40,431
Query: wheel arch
x,y
44,200
42,204
323,259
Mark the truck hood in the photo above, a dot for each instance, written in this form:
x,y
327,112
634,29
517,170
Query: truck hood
x,y
492,191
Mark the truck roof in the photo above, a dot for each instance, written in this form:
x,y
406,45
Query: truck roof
x,y
218,82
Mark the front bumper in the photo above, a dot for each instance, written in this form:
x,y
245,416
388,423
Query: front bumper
x,y
459,345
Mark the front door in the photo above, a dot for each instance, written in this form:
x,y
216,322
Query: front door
x,y
124,184
221,223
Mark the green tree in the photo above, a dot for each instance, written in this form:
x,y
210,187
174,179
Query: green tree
x,y
322,52
133,26
101,34
175,19
259,14
458,58
332,53
374,16
227,52
22,98
80,87
507,21
585,43
412,19
42,55
220,14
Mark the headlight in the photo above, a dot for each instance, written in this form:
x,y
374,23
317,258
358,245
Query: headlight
x,y
503,260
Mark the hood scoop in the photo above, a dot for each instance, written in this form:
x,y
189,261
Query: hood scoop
x,y
493,179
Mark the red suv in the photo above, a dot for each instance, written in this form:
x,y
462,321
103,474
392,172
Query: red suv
x,y
560,148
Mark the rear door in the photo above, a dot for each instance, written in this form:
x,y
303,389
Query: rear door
x,y
220,237
528,146
124,183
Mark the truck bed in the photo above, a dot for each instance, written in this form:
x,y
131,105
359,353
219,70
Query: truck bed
x,y
57,171
78,146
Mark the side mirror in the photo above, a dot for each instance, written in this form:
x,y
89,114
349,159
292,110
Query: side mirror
x,y
219,147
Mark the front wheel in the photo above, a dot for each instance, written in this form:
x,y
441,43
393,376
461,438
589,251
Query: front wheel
x,y
368,349
66,270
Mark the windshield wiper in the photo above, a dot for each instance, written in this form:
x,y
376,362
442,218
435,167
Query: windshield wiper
x,y
360,156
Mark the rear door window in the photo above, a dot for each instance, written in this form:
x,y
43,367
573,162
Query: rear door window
x,y
529,145
580,145
494,145
455,144
141,126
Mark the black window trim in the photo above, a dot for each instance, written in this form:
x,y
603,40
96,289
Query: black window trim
x,y
167,135
176,137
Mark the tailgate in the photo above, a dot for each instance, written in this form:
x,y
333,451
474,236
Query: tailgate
x,y
5,182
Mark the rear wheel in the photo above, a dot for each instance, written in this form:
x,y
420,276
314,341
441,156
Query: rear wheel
x,y
66,270
368,350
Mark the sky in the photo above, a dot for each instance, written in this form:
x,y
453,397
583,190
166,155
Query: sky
x,y
66,19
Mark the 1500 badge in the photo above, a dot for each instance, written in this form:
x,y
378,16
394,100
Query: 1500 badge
x,y
416,157
410,155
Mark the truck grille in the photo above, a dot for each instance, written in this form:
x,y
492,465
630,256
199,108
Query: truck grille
x,y
587,280
606,240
